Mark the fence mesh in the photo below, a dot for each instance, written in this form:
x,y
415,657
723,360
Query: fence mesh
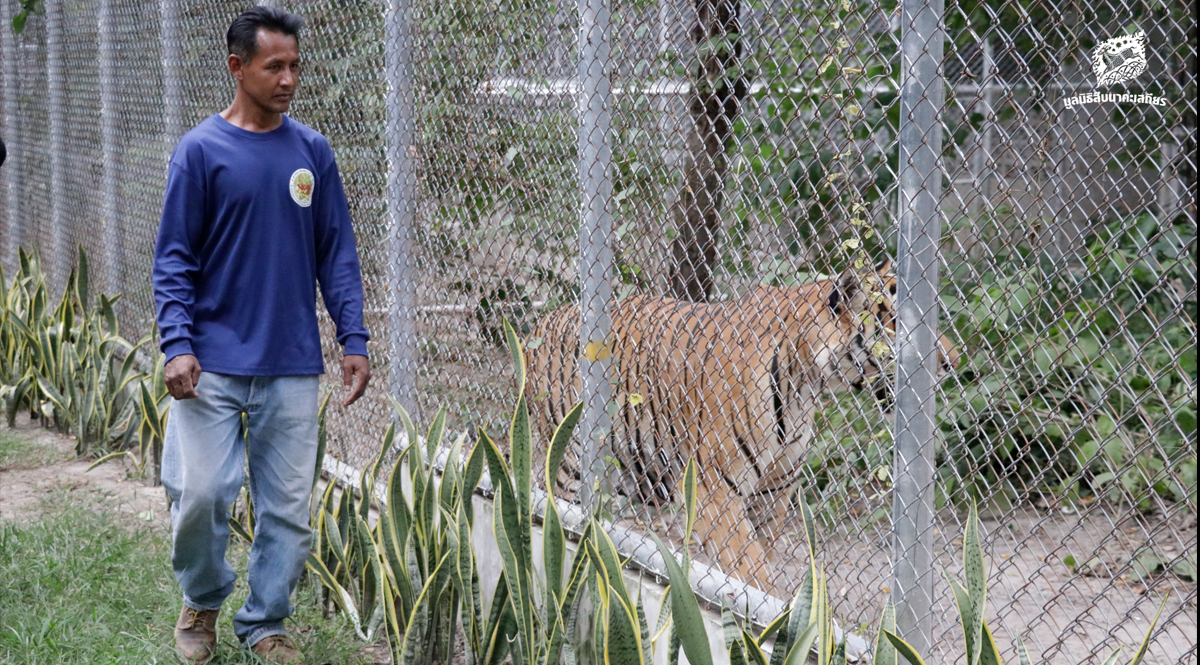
x,y
755,151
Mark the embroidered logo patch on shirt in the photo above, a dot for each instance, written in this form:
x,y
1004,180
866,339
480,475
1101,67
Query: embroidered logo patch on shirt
x,y
301,187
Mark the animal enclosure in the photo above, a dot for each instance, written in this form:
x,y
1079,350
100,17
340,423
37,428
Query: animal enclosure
x,y
499,167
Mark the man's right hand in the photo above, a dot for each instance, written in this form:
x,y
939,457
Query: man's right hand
x,y
181,375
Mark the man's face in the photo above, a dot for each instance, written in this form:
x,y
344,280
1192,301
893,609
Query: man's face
x,y
272,76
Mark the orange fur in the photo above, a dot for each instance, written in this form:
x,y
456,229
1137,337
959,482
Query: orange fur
x,y
734,384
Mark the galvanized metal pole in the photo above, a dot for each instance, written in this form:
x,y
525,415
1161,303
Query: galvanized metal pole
x,y
112,231
12,167
401,203
921,99
55,80
595,229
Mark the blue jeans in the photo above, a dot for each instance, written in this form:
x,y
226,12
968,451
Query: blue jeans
x,y
203,461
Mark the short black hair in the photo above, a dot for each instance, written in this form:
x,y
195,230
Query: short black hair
x,y
242,36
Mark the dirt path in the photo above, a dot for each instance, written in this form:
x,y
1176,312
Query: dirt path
x,y
41,467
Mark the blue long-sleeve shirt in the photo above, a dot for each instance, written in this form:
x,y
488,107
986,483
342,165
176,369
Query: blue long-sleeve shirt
x,y
251,221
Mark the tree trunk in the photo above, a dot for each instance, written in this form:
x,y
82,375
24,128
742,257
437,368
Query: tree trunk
x,y
715,98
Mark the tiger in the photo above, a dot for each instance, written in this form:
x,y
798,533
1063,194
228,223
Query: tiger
x,y
733,384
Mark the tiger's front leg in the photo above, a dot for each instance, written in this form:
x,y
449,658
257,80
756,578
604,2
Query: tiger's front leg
x,y
724,526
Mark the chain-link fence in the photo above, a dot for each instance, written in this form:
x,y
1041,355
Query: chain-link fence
x,y
737,155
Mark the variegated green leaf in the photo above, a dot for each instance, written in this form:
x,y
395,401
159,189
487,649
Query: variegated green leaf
x,y
1022,653
622,643
433,440
111,456
685,611
976,573
322,438
885,653
803,644
689,505
517,353
1141,652
903,648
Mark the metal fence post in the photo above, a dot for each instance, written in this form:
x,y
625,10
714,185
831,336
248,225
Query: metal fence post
x,y
55,78
108,137
921,100
12,169
595,230
401,203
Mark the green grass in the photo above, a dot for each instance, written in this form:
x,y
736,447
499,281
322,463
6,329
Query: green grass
x,y
77,587
18,451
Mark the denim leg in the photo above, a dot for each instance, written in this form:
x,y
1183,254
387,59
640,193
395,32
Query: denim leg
x,y
203,460
282,453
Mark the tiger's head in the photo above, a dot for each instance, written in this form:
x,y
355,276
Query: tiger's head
x,y
864,305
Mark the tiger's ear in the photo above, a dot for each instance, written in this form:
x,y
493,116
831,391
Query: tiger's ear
x,y
847,292
885,266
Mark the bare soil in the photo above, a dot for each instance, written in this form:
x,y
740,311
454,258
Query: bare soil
x,y
48,467
1062,614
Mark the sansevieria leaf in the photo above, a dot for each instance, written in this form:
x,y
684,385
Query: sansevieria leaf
x,y
798,654
518,355
1022,653
150,412
754,653
322,438
82,285
110,456
903,648
802,605
989,653
1141,652
779,629
976,587
885,653
623,644
51,392
685,611
340,596
962,601
689,505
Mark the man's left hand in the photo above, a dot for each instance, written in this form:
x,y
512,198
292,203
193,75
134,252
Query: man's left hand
x,y
356,373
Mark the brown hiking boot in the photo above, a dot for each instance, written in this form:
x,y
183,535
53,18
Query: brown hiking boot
x,y
276,649
196,634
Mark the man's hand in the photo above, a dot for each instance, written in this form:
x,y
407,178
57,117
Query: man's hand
x,y
356,372
182,375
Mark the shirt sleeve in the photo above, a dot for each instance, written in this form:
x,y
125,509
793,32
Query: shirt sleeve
x,y
177,260
338,271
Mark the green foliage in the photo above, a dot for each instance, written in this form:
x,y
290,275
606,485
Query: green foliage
x,y
810,158
68,365
27,7
1076,382
1089,388
414,572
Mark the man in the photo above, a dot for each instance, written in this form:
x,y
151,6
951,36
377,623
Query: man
x,y
254,214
